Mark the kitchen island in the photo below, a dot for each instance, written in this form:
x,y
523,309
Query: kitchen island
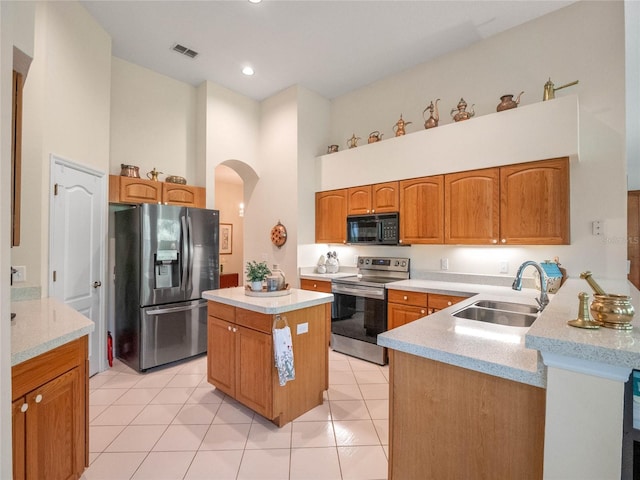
x,y
240,352
488,393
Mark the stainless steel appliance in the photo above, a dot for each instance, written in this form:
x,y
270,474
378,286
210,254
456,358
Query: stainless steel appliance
x,y
359,310
165,257
373,229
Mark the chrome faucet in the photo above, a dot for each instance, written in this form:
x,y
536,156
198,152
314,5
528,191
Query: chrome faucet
x,y
517,283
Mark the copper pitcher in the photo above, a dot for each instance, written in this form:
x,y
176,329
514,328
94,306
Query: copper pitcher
x,y
129,171
375,136
433,119
399,126
507,102
462,113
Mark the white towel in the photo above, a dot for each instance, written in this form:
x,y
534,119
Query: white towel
x,y
283,352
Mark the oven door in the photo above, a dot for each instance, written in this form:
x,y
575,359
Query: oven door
x,y
358,312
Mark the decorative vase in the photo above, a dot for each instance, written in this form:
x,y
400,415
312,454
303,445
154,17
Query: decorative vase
x,y
256,286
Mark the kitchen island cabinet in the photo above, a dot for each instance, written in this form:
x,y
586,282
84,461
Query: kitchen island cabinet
x,y
450,422
240,358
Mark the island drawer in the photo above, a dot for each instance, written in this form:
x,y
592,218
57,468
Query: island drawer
x,y
404,297
222,311
254,320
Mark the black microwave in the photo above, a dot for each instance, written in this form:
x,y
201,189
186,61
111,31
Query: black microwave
x,y
374,229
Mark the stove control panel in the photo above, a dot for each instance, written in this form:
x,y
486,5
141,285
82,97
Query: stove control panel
x,y
395,264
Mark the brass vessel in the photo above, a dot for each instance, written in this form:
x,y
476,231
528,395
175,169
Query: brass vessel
x,y
583,320
613,311
153,174
434,118
375,136
399,126
462,113
353,141
550,90
507,102
129,171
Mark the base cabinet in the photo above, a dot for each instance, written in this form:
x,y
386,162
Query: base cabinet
x,y
50,419
450,422
406,306
240,359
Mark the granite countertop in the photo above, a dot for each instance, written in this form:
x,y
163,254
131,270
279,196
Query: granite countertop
x,y
42,325
494,349
296,300
511,352
550,333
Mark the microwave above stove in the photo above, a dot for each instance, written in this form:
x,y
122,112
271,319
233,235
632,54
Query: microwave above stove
x,y
374,229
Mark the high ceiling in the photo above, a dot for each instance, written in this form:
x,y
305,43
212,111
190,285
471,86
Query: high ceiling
x,y
331,47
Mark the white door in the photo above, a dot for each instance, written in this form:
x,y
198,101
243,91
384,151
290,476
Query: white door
x,y
77,236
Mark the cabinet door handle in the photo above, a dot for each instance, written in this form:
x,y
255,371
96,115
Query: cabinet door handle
x,y
24,407
422,311
449,303
38,398
315,286
494,241
406,298
504,240
235,329
229,327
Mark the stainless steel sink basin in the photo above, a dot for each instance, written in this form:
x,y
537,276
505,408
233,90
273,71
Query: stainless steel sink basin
x,y
500,317
508,306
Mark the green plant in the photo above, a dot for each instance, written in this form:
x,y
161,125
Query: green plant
x,y
257,272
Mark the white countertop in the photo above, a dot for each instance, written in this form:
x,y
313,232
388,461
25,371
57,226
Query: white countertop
x,y
477,345
42,325
296,300
494,349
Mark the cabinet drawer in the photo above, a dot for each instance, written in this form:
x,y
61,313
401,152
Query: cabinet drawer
x,y
404,297
222,311
439,302
315,285
254,320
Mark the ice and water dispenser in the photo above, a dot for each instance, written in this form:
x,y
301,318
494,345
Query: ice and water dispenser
x,y
167,268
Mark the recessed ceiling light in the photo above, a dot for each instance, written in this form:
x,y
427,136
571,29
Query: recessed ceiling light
x,y
247,71
255,1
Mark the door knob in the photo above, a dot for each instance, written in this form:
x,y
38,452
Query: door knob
x,y
97,284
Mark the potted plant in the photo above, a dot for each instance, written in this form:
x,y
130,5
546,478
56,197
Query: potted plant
x,y
256,274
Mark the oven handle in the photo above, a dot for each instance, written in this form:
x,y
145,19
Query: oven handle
x,y
358,292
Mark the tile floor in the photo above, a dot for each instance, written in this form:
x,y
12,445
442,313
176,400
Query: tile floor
x,y
172,424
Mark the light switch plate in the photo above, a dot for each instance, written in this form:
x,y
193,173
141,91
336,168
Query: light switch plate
x,y
20,275
444,264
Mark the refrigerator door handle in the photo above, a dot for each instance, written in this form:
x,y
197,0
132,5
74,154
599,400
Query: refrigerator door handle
x,y
191,253
161,311
185,254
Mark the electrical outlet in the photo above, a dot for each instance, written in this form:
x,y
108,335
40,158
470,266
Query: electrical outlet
x,y
597,227
444,264
504,266
20,275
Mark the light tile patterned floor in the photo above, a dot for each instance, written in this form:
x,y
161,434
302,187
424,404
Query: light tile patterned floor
x,y
171,424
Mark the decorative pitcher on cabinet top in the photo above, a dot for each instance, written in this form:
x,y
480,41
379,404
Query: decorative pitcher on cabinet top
x,y
507,102
375,136
433,119
462,114
399,126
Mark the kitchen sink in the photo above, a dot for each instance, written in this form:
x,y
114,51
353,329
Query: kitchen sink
x,y
508,306
500,317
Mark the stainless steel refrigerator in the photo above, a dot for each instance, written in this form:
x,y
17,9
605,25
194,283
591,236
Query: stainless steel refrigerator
x,y
165,257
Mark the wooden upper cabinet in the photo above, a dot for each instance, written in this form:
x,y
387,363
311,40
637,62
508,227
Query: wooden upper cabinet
x,y
534,203
472,207
186,195
385,197
359,200
131,190
331,216
377,198
422,210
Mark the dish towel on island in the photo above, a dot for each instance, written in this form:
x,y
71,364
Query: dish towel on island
x,y
283,352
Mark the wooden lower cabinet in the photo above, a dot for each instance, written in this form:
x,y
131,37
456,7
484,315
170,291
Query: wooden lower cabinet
x,y
315,285
240,360
450,422
50,416
405,306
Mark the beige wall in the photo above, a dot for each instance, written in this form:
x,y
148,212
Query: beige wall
x,y
229,195
561,45
66,113
153,123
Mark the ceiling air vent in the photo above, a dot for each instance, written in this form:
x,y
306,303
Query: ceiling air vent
x,y
184,50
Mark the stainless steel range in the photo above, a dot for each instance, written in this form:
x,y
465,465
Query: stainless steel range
x,y
359,310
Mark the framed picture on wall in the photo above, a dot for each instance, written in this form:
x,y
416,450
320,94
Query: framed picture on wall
x,y
226,238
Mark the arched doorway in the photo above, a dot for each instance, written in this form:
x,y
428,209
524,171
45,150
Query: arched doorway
x,y
229,200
